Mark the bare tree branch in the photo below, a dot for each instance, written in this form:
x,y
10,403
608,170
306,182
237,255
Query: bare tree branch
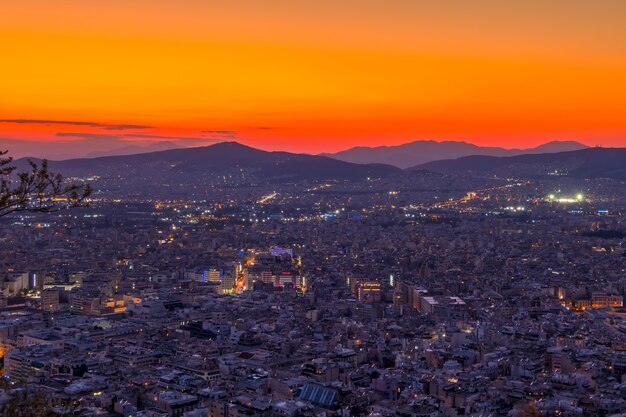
x,y
37,190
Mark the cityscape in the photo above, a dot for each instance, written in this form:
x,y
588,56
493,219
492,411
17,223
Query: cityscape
x,y
312,209
388,296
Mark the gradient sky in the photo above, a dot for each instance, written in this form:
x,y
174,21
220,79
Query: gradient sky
x,y
311,76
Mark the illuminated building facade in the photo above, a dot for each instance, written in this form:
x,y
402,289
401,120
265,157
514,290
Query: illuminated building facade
x,y
369,292
601,300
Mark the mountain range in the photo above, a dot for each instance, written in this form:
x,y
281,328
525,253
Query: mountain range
x,y
584,163
90,147
181,171
422,151
227,159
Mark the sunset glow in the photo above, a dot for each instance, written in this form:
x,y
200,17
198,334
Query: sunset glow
x,y
312,76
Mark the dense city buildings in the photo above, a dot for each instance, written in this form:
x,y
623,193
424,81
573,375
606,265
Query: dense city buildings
x,y
404,297
312,208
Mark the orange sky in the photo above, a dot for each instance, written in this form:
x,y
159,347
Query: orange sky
x,y
312,76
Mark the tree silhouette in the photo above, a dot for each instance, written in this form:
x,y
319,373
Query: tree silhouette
x,y
37,189
27,403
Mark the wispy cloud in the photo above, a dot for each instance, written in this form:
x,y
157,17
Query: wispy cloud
x,y
261,127
125,127
127,137
105,126
219,132
68,144
181,138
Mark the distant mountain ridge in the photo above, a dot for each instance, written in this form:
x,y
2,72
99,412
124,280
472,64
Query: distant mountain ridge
x,y
228,162
422,151
86,148
584,163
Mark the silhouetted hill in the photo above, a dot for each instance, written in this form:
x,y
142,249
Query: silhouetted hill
x,y
230,161
554,147
423,151
585,163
